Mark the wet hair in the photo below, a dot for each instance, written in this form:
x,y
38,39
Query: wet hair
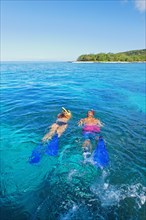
x,y
90,111
61,115
65,114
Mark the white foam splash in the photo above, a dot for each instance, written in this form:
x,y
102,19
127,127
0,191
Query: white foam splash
x,y
71,174
70,213
111,195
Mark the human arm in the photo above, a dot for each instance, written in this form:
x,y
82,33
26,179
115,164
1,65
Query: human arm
x,y
99,123
81,122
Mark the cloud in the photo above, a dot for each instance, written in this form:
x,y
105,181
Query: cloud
x,y
140,5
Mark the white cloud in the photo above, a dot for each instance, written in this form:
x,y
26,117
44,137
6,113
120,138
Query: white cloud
x,y
140,5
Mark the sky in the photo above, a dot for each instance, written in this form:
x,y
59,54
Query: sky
x,y
63,30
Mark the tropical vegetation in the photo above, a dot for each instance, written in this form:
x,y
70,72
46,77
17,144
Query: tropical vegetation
x,y
128,56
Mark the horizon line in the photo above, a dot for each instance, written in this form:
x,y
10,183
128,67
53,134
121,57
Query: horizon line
x,y
65,60
37,60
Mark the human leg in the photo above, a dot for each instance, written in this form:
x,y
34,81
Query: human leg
x,y
51,132
61,129
87,145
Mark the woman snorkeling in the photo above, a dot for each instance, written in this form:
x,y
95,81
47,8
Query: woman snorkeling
x,y
59,126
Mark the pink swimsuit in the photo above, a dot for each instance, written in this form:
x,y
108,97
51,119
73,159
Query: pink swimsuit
x,y
91,128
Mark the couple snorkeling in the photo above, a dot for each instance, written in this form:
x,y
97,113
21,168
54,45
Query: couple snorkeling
x,y
90,127
91,132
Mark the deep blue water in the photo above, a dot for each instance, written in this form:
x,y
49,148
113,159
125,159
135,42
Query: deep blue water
x,y
63,187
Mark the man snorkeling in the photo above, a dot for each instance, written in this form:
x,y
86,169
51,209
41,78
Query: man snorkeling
x,y
91,129
59,126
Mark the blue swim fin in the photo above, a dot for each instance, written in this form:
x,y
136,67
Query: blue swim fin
x,y
36,154
100,155
52,146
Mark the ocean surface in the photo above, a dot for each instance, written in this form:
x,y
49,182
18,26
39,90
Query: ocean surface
x,y
65,187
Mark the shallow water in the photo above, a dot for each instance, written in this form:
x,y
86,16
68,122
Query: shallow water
x,y
64,187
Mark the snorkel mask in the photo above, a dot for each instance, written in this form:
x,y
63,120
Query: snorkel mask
x,y
66,112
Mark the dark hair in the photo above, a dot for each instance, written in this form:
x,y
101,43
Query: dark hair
x,y
61,115
91,111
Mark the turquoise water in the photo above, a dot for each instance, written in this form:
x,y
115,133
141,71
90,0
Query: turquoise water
x,y
64,187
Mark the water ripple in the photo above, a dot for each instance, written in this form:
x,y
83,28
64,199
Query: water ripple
x,y
64,187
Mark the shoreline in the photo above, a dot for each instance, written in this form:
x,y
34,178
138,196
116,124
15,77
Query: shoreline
x,y
107,62
47,61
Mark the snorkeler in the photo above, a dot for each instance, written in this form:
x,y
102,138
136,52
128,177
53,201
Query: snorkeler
x,y
59,126
91,129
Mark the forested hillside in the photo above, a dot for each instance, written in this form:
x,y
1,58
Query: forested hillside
x,y
128,56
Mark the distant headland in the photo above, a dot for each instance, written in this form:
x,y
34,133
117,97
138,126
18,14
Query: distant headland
x,y
128,56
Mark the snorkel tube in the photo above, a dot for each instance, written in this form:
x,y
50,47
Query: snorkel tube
x,y
67,112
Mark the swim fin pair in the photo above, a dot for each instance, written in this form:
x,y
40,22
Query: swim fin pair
x,y
100,155
50,148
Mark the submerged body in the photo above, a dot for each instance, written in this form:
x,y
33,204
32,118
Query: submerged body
x,y
59,126
90,128
91,131
49,144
